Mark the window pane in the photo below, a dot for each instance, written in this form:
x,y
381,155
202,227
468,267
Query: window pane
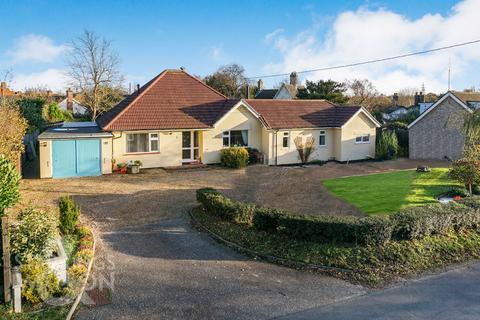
x,y
322,140
196,154
153,145
137,142
358,139
225,142
195,138
285,142
366,138
186,139
239,138
186,153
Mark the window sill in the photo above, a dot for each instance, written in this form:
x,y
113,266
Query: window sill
x,y
140,153
362,142
324,146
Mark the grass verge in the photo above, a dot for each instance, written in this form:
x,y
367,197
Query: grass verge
x,y
397,189
370,265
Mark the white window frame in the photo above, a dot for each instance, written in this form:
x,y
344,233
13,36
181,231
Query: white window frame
x,y
286,134
362,138
227,134
150,139
322,133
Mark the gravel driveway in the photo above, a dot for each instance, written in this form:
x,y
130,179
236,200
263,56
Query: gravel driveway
x,y
158,267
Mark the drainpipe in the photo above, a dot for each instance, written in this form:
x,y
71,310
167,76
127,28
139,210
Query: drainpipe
x,y
276,148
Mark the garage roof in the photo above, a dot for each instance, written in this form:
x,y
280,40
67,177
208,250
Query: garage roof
x,y
73,130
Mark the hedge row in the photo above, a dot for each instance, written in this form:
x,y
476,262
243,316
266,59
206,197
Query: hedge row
x,y
410,223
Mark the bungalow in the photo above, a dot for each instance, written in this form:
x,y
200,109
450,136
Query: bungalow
x,y
176,119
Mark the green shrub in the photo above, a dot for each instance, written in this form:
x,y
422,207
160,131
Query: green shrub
x,y
457,191
9,183
267,219
387,145
235,157
472,202
244,212
39,282
376,230
419,222
34,234
69,213
346,229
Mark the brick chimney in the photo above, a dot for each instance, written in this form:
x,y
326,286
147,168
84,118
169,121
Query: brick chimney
x,y
395,99
3,88
69,100
260,84
294,79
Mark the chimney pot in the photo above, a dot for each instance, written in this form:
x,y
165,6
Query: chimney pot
x,y
182,68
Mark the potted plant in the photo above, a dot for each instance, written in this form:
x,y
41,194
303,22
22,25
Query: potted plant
x,y
122,167
134,167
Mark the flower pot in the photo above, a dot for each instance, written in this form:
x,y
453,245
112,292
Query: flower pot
x,y
133,169
123,170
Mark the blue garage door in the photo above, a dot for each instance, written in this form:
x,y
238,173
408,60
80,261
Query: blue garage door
x,y
76,158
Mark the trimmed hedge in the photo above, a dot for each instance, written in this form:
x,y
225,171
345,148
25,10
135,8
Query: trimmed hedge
x,y
407,224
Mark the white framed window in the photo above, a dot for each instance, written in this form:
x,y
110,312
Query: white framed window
x,y
286,140
363,138
322,138
235,138
142,142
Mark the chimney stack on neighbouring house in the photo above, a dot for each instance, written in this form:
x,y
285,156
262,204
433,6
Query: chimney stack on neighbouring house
x,y
260,84
294,79
138,88
419,98
395,99
3,88
69,100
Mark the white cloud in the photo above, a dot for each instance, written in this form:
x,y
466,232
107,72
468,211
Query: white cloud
x,y
367,34
35,48
217,54
270,36
53,79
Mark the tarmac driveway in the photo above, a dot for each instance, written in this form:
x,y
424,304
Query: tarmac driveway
x,y
168,270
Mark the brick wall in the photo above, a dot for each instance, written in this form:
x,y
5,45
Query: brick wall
x,y
438,134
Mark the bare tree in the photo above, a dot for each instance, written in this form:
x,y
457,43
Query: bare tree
x,y
94,66
229,80
304,149
406,96
362,93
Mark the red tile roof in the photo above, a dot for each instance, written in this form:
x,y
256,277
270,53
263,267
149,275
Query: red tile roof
x,y
290,114
172,100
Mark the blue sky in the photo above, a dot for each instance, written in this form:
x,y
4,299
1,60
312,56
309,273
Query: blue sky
x,y
263,36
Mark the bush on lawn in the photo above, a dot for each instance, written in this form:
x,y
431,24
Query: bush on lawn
x,y
69,213
457,191
39,282
235,157
419,222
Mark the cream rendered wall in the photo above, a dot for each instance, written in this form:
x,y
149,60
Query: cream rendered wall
x,y
238,119
170,153
267,136
106,154
350,150
289,155
45,159
337,143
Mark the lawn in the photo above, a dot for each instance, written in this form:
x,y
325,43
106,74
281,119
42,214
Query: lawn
x,y
384,193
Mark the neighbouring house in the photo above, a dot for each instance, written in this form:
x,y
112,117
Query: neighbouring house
x,y
470,98
176,119
72,105
6,92
437,132
286,91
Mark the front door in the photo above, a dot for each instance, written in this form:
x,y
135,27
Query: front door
x,y
190,146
